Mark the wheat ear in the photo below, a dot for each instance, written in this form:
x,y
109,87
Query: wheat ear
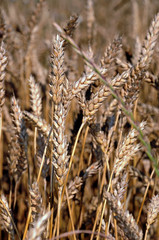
x,y
127,150
20,131
3,64
149,44
39,227
6,220
59,141
124,219
153,210
36,202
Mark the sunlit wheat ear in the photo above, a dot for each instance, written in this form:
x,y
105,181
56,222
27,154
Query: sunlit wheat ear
x,y
60,157
83,82
39,228
58,89
5,220
153,210
149,44
124,219
152,213
57,76
35,96
127,150
3,64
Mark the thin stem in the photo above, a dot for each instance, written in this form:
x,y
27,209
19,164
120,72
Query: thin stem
x,y
35,136
67,234
82,152
69,208
147,229
58,210
27,224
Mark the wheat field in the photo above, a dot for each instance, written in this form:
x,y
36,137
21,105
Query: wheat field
x,y
79,108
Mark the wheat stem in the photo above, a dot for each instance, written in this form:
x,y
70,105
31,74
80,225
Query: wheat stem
x,y
69,208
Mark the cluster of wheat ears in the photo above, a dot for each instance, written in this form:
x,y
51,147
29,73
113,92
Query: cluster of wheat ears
x,y
78,143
